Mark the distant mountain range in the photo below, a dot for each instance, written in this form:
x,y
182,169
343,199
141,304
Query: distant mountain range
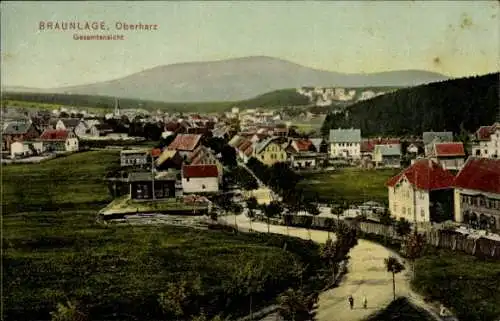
x,y
232,80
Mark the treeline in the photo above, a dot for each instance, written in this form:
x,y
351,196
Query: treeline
x,y
458,105
278,177
107,102
277,98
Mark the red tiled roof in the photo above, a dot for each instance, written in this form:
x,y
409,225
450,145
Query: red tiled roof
x,y
155,152
450,149
368,145
425,174
482,174
248,151
303,145
185,142
199,171
244,145
54,134
484,132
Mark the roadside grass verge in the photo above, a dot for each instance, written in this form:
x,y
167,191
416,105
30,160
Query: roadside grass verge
x,y
467,284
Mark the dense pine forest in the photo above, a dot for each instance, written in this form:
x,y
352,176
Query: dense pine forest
x,y
458,105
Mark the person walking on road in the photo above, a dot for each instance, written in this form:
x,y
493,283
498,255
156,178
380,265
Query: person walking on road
x,y
365,302
351,301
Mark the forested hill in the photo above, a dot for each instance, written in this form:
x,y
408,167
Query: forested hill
x,y
455,105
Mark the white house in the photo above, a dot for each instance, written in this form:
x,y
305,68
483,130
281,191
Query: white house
x,y
59,140
200,179
421,193
345,143
25,148
429,138
72,124
487,142
477,193
134,157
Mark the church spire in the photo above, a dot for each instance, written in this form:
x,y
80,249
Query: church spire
x,y
117,107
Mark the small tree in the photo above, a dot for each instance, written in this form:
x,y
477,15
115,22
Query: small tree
x,y
413,248
67,312
237,209
306,221
313,210
252,203
387,220
251,216
394,266
403,227
329,225
295,305
329,252
172,301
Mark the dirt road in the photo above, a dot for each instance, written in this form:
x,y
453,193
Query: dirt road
x,y
366,276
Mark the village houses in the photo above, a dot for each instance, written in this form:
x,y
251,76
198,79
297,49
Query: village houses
x,y
450,155
18,131
270,151
345,143
134,157
477,193
422,193
185,144
200,179
59,140
430,138
387,156
487,141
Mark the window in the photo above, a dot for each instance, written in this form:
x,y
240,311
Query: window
x,y
404,210
422,212
203,186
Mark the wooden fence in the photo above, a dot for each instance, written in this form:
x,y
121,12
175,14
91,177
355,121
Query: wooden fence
x,y
440,238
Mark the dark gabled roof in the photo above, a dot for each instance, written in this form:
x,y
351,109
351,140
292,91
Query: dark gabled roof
x,y
17,128
345,135
148,176
70,122
443,137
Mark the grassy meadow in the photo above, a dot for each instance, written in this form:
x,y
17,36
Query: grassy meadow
x,y
54,252
352,184
467,284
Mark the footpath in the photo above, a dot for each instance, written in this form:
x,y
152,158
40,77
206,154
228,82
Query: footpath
x,y
366,276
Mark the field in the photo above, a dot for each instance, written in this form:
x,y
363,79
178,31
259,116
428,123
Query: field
x,y
47,106
467,284
126,205
352,184
54,252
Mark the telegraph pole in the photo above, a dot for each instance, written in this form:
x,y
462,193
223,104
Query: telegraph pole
x,y
153,177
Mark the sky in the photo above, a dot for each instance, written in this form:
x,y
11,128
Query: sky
x,y
455,38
